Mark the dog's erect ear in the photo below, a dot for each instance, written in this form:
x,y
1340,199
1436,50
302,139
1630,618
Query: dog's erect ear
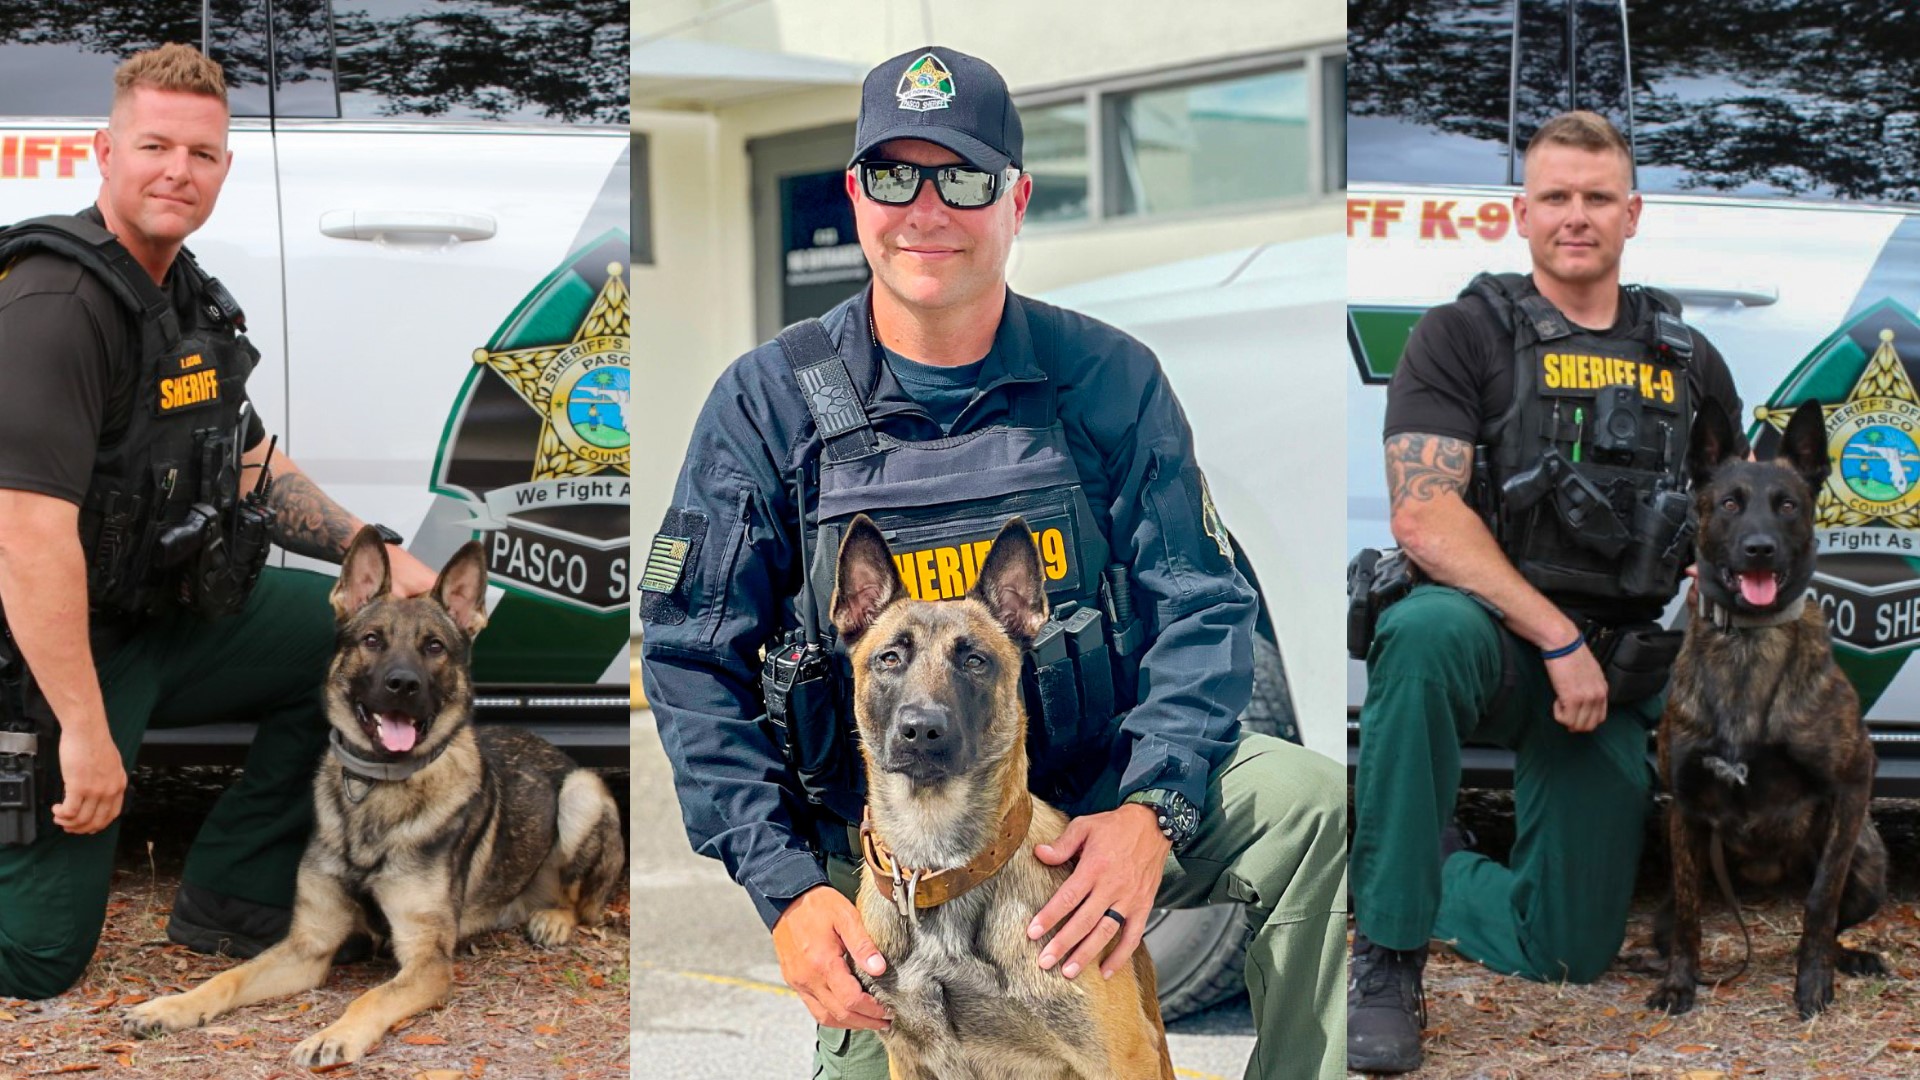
x,y
462,588
867,581
1712,442
1803,447
364,576
1011,583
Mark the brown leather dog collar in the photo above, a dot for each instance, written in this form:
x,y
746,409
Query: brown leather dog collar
x,y
931,888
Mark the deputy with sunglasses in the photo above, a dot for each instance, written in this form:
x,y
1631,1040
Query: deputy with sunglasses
x,y
940,403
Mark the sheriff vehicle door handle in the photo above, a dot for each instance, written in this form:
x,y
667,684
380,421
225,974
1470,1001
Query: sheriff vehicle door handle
x,y
374,224
1715,296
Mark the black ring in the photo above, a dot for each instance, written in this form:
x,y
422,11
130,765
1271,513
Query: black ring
x,y
1116,917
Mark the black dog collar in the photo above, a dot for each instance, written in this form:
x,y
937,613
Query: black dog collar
x,y
1728,619
377,771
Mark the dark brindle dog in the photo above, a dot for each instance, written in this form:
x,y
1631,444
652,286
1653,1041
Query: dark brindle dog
x,y
442,830
1762,744
951,880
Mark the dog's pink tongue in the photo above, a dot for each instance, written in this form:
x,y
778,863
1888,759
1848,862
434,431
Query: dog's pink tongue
x,y
397,732
1757,587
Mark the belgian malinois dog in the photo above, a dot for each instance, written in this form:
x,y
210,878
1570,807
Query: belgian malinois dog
x,y
423,825
1762,745
951,881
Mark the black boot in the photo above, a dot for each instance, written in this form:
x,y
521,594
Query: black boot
x,y
1386,1008
221,925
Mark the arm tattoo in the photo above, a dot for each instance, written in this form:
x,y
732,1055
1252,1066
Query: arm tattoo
x,y
1423,467
306,521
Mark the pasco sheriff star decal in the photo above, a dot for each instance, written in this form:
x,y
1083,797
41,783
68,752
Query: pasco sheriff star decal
x,y
539,448
580,389
1867,518
926,85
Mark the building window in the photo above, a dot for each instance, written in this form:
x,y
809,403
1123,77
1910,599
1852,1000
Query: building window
x,y
640,194
1333,110
1209,144
1056,143
1240,133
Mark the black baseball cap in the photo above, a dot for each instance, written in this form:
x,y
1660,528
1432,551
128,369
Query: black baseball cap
x,y
946,97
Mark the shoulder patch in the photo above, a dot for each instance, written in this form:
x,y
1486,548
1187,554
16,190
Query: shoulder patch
x,y
1210,519
673,555
665,561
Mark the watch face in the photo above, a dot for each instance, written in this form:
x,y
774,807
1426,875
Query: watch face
x,y
1176,816
1181,816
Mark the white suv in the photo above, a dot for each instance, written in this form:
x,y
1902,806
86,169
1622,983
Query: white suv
x,y
427,226
1781,207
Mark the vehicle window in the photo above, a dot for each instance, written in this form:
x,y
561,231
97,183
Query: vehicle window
x,y
1428,93
1717,110
1210,143
525,61
1573,55
58,59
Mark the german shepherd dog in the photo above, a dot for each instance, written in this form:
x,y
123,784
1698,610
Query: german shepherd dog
x,y
423,825
1762,745
951,881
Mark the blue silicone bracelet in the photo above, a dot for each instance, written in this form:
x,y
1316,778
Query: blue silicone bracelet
x,y
1565,650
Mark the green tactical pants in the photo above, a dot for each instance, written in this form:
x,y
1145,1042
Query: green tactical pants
x,y
1274,839
264,665
1559,911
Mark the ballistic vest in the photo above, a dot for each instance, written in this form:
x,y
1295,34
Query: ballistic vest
x,y
940,503
182,443
1588,462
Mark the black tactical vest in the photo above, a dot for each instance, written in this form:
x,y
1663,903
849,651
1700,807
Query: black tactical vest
x,y
1588,463
164,489
940,503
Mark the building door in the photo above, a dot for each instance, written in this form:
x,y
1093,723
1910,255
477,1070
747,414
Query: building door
x,y
806,257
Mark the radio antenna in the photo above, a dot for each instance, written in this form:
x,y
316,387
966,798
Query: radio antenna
x,y
809,621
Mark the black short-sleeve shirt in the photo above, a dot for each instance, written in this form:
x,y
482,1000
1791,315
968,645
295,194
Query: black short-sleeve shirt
x,y
69,365
1457,373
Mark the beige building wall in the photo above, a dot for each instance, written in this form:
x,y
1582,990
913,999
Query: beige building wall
x,y
695,305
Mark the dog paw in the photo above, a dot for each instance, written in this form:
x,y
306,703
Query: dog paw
x,y
1672,999
1813,992
1859,962
329,1047
161,1016
551,927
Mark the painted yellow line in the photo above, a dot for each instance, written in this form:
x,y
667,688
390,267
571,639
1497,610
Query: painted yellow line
x,y
725,980
1196,1074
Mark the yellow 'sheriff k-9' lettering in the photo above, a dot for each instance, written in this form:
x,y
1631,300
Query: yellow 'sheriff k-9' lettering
x,y
947,572
1576,371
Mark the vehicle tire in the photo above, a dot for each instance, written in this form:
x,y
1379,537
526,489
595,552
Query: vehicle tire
x,y
1199,954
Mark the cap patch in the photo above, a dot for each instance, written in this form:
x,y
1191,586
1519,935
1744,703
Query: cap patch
x,y
925,86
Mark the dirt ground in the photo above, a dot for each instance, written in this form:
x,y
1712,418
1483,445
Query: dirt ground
x,y
516,1011
1486,1026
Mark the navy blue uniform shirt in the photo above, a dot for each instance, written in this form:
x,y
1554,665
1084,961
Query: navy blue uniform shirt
x,y
1131,444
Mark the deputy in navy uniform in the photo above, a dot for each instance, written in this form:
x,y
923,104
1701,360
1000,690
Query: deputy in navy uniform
x,y
940,403
131,555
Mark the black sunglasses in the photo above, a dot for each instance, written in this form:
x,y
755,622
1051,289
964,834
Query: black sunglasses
x,y
897,183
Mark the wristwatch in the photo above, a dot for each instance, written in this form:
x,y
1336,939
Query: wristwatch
x,y
387,535
1177,818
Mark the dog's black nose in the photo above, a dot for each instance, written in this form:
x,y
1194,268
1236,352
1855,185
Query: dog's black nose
x,y
403,683
1758,547
921,726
